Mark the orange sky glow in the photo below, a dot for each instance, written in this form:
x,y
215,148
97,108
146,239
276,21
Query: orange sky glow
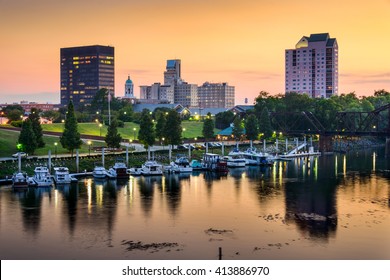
x,y
239,42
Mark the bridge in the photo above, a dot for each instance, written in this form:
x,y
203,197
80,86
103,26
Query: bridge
x,y
375,123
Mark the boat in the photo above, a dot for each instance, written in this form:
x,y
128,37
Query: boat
x,y
196,165
99,172
134,171
42,177
62,176
215,163
119,170
150,168
235,161
180,165
253,157
20,180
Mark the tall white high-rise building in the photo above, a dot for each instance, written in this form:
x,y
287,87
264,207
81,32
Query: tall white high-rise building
x,y
312,67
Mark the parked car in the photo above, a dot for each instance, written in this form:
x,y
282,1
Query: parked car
x,y
199,146
22,154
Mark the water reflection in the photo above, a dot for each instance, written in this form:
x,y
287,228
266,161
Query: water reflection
x,y
30,203
315,198
312,206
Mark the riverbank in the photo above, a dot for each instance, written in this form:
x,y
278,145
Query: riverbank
x,y
347,144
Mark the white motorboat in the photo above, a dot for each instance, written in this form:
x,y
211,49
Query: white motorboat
x,y
42,177
151,167
235,161
99,172
20,180
62,176
181,165
134,171
253,157
119,170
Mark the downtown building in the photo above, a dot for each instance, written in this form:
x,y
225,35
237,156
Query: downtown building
x,y
176,91
312,67
216,95
84,71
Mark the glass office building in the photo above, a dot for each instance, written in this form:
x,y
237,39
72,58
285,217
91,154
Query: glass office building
x,y
85,70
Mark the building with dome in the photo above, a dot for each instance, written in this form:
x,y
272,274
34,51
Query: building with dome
x,y
129,88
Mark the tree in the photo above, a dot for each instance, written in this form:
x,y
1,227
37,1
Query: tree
x,y
224,119
14,115
238,128
208,127
51,115
126,113
27,140
70,138
296,102
252,128
265,123
381,92
174,130
113,138
161,123
146,134
36,126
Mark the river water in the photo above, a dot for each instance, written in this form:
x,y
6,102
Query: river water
x,y
330,207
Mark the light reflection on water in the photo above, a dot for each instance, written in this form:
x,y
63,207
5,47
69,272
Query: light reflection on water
x,y
330,207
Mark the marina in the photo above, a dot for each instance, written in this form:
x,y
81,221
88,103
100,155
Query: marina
x,y
327,207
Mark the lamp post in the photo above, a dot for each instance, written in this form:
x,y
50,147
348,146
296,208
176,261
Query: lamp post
x,y
163,139
134,129
55,149
89,147
184,132
100,125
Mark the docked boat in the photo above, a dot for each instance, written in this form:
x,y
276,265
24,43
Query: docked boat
x,y
119,170
151,168
42,177
215,163
196,165
253,157
235,161
181,165
99,172
20,180
62,176
134,171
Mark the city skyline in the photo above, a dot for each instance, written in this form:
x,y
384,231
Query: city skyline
x,y
241,43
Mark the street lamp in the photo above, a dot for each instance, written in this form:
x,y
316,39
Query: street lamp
x,y
184,132
55,149
163,140
134,129
100,125
89,147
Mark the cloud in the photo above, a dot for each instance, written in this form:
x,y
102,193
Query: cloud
x,y
377,78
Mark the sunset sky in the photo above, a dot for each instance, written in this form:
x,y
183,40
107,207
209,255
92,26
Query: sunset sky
x,y
239,42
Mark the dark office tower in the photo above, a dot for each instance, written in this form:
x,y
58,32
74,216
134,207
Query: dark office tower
x,y
85,70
